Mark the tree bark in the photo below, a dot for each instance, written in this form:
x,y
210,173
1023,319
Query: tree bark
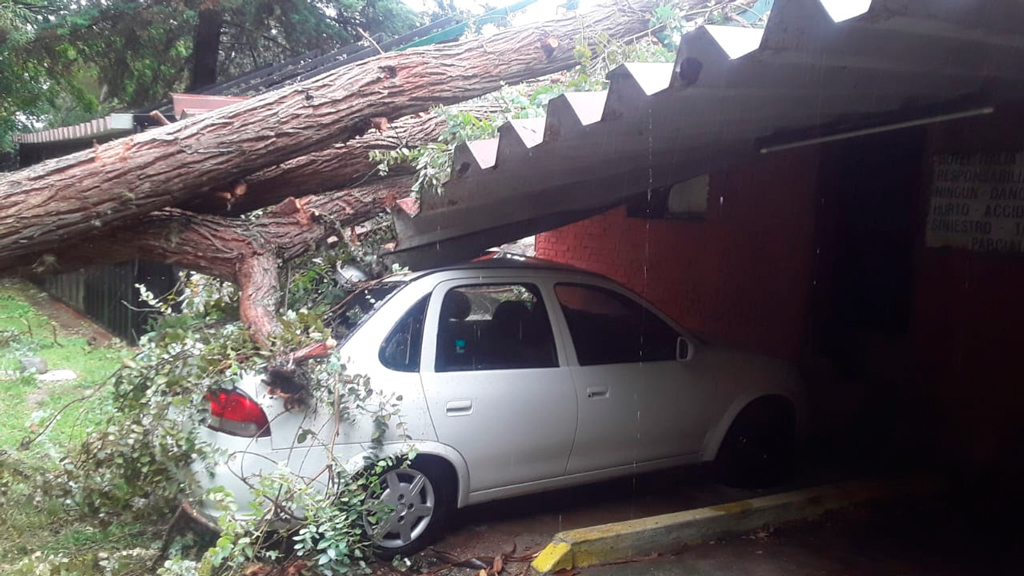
x,y
341,165
62,200
260,291
206,49
246,252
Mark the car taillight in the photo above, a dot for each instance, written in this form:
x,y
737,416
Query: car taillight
x,y
232,412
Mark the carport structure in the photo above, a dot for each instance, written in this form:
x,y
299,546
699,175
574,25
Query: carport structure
x,y
858,206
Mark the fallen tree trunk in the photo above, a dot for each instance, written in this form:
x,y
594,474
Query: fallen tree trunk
x,y
247,252
70,197
342,165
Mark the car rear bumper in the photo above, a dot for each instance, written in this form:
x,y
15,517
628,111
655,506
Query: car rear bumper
x,y
242,462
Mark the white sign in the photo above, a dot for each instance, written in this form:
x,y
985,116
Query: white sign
x,y
977,202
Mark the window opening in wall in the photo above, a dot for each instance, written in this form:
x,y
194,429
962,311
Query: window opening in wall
x,y
687,200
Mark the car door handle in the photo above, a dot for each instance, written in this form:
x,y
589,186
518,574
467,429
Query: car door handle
x,y
459,408
597,392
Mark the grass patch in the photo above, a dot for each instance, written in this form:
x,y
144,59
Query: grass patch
x,y
25,403
37,531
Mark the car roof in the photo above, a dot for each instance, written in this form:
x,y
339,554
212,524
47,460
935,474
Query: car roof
x,y
497,261
509,261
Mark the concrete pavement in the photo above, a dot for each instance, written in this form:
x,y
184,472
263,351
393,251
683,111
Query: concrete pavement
x,y
933,538
667,533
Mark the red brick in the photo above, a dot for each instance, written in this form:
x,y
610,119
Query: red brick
x,y
742,278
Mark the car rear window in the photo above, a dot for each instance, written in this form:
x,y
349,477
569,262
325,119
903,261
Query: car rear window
x,y
358,307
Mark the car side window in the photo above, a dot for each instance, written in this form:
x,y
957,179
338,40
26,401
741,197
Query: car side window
x,y
610,328
494,327
400,350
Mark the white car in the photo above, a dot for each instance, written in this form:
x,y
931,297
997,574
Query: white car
x,y
517,376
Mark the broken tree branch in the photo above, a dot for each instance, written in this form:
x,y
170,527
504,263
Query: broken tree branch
x,y
247,252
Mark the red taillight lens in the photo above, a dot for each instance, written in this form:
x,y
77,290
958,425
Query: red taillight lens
x,y
232,412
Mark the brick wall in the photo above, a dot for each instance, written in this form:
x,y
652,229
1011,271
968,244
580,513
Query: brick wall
x,y
741,277
967,318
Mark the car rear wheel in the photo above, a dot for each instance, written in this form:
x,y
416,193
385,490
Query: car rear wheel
x,y
408,509
759,448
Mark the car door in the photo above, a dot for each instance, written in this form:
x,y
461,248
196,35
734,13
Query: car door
x,y
495,381
637,401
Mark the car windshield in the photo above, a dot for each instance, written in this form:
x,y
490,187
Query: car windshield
x,y
359,306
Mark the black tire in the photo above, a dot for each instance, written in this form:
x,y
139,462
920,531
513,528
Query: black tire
x,y
759,449
442,482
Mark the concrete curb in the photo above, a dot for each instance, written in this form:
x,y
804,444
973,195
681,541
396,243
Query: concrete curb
x,y
670,532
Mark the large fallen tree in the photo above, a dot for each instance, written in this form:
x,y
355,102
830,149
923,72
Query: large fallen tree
x,y
71,197
118,201
247,252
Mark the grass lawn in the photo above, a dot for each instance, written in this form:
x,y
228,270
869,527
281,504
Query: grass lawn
x,y
24,331
25,408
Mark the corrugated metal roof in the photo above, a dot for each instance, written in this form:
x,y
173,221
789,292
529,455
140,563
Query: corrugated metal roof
x,y
817,67
193,104
114,125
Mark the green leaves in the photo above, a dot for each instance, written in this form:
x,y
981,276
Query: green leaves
x,y
63,61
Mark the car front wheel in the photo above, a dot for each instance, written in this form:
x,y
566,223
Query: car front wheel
x,y
758,450
407,509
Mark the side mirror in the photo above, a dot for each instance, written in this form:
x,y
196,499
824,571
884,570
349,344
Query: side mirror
x,y
683,350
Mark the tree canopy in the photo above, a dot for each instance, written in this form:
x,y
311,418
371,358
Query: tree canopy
x,y
63,61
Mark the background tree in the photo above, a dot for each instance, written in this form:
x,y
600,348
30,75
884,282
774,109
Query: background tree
x,y
62,59
31,86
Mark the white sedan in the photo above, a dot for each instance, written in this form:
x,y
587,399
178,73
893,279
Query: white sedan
x,y
516,376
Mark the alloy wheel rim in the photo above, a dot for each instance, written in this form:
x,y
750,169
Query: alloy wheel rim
x,y
401,511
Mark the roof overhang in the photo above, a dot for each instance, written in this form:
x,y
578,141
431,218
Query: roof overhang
x,y
112,126
730,93
186,105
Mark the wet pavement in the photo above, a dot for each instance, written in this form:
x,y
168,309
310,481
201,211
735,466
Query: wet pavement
x,y
930,538
529,522
963,532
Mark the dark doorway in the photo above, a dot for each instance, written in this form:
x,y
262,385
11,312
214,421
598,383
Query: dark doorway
x,y
865,249
860,352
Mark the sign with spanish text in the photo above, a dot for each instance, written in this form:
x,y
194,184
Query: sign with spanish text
x,y
977,202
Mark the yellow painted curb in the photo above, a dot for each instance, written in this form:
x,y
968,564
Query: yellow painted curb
x,y
556,556
670,532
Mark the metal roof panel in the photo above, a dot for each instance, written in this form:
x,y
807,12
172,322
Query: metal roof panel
x,y
728,92
736,41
